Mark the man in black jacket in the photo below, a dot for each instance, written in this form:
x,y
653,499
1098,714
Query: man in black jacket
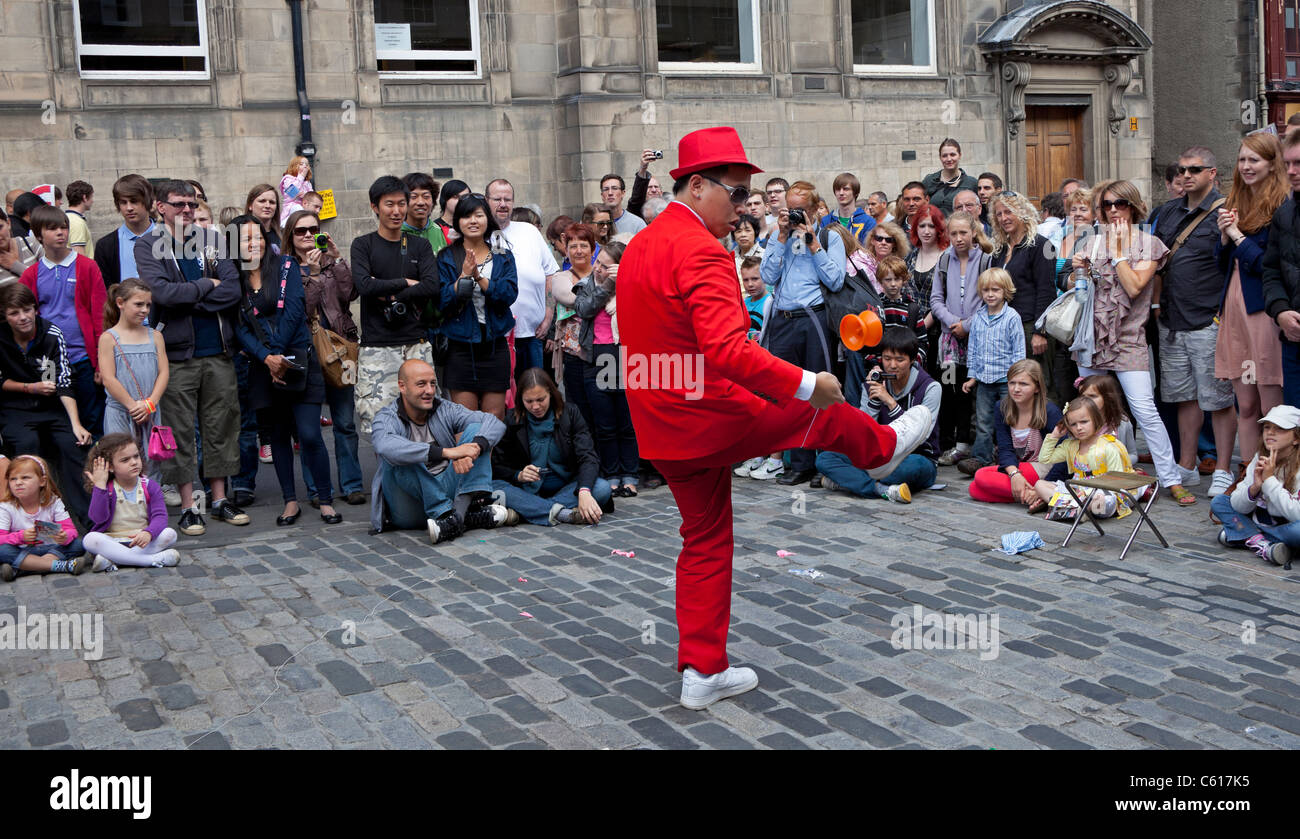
x,y
115,253
195,301
1282,273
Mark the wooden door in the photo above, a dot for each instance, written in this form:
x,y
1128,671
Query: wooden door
x,y
1053,149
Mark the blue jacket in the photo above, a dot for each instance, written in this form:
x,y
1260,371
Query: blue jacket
x,y
285,327
461,323
1006,449
1249,256
860,225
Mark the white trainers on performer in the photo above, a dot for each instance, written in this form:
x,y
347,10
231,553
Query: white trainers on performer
x,y
743,470
699,691
912,428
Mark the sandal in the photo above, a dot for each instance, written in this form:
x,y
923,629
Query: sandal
x,y
1039,506
629,490
1182,495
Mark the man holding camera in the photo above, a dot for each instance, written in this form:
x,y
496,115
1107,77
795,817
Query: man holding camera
x,y
396,274
797,266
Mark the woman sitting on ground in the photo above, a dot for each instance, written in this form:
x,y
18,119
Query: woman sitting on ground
x,y
545,467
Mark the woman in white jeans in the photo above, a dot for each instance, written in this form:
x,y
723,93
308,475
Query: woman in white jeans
x,y
1122,264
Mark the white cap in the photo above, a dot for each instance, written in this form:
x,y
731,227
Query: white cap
x,y
1284,416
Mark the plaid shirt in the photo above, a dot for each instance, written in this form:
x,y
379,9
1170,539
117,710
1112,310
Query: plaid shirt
x,y
996,342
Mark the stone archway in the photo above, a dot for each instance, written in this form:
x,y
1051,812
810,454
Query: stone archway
x,y
1071,53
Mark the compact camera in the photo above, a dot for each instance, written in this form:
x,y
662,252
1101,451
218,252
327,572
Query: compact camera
x,y
659,155
322,241
878,375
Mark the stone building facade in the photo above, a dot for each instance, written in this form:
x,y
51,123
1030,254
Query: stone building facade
x,y
552,94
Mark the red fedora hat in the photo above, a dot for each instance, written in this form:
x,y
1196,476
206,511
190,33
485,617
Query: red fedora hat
x,y
710,147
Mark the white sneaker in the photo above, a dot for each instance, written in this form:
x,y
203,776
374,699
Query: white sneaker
x,y
829,485
102,564
772,467
743,470
913,427
699,691
1219,482
1191,477
898,493
167,558
171,495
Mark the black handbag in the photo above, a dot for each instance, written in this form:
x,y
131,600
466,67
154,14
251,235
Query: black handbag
x,y
299,358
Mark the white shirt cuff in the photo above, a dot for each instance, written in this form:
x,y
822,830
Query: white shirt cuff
x,y
805,390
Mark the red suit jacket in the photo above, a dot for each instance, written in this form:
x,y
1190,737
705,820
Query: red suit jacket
x,y
679,312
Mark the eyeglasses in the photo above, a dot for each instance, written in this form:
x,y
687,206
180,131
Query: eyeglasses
x,y
1118,203
776,191
739,194
1192,170
306,231
183,205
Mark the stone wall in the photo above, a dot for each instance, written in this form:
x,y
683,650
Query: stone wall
x,y
570,90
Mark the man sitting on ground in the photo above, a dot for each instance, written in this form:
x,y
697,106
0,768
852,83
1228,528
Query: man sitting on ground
x,y
425,479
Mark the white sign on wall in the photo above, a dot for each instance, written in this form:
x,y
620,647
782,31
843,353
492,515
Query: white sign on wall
x,y
392,36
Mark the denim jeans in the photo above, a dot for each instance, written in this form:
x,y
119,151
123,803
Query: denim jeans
x,y
248,462
537,508
284,417
986,402
343,412
15,554
413,495
528,354
1240,528
916,471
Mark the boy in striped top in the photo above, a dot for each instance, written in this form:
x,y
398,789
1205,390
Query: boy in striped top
x,y
997,340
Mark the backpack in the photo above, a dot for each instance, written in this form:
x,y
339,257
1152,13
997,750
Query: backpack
x,y
854,297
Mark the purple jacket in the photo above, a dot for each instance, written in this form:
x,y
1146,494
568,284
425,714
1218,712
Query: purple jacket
x,y
103,504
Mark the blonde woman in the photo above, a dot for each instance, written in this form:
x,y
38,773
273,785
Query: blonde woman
x,y
1030,259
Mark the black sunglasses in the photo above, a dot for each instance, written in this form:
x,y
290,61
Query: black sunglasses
x,y
306,231
739,194
1118,203
889,239
1191,170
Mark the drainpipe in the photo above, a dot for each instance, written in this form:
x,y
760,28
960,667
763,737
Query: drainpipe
x,y
306,148
1263,71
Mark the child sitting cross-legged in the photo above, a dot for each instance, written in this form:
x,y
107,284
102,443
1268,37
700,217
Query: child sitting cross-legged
x,y
127,512
1087,453
36,532
1263,512
899,383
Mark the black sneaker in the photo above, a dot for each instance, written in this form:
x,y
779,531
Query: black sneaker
x,y
7,572
191,523
225,511
444,528
243,497
489,516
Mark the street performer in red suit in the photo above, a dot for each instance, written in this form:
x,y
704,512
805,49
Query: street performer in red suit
x,y
678,302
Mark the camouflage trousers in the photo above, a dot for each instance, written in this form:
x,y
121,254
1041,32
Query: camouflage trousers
x,y
377,377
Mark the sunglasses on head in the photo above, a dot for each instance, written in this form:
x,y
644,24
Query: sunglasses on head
x,y
1191,170
1118,203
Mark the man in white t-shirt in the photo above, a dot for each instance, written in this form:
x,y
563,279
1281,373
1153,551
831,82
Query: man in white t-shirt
x,y
534,265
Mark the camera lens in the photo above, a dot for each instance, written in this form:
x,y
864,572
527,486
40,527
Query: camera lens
x,y
398,307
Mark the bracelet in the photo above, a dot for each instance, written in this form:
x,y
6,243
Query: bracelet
x,y
584,489
1118,261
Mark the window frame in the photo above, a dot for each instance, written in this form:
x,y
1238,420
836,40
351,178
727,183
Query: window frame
x,y
474,53
728,68
931,69
201,50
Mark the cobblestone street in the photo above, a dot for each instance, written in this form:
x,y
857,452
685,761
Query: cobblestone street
x,y
317,637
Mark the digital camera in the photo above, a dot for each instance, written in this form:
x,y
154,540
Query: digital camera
x,y
798,218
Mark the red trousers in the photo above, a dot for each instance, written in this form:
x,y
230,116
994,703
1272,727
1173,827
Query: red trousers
x,y
702,490
992,485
